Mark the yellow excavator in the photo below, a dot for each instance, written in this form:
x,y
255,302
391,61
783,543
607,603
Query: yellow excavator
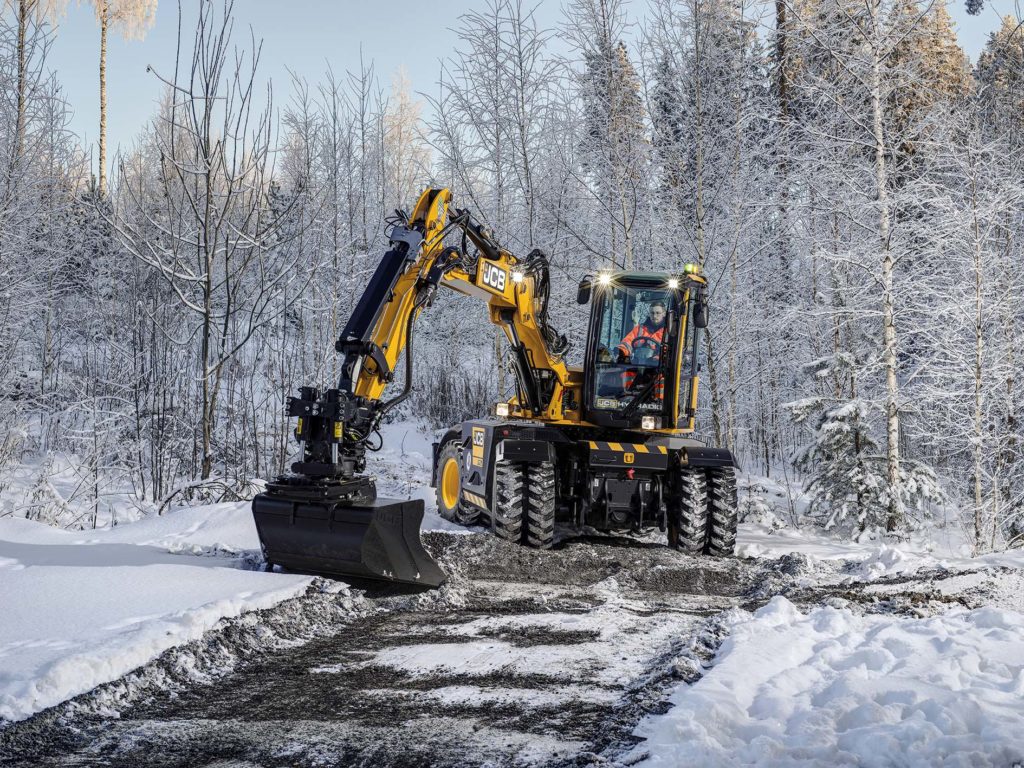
x,y
608,446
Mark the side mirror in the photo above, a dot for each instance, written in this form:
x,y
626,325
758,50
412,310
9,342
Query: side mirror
x,y
700,311
583,292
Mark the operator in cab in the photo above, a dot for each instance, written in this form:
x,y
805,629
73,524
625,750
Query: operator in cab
x,y
643,343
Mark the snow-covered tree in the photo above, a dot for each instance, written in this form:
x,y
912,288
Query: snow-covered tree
x,y
969,299
132,18
1000,75
406,154
613,145
213,219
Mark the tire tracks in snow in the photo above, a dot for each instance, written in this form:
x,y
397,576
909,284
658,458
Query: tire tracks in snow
x,y
524,658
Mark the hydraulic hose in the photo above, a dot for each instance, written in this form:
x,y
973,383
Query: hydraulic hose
x,y
407,389
446,263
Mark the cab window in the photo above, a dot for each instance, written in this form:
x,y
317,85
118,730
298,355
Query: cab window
x,y
630,348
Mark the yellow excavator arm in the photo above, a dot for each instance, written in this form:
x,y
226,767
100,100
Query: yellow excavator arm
x,y
335,426
326,517
516,292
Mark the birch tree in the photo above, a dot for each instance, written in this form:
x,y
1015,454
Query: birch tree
x,y
132,19
859,40
969,293
28,14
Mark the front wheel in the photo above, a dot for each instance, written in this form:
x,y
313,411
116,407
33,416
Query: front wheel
x,y
449,486
540,512
509,510
722,512
687,508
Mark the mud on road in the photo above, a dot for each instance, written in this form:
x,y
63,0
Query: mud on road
x,y
525,658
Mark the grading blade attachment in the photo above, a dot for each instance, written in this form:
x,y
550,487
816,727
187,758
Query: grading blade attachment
x,y
361,537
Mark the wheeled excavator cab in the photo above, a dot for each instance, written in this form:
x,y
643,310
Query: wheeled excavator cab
x,y
642,361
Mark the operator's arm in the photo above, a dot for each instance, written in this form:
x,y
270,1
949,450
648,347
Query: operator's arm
x,y
626,345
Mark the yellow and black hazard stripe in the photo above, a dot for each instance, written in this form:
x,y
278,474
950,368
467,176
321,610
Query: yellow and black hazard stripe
x,y
627,455
601,445
473,498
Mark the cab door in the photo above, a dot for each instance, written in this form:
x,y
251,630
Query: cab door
x,y
634,354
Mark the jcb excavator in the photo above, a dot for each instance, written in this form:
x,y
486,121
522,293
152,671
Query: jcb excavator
x,y
608,445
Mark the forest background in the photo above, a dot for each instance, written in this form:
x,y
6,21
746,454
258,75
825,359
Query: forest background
x,y
851,184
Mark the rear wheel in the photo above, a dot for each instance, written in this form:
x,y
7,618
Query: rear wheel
x,y
722,512
540,509
449,486
509,510
688,512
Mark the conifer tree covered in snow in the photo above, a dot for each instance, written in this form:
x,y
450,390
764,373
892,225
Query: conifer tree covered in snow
x,y
1000,81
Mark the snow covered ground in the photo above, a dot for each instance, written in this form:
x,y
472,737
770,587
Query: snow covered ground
x,y
83,608
833,686
829,687
819,684
941,544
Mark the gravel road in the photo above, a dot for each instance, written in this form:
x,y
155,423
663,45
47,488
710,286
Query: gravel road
x,y
524,658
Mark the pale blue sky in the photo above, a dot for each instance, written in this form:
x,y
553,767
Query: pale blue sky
x,y
305,36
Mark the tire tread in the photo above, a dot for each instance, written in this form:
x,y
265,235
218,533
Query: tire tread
x,y
509,501
540,505
688,512
722,512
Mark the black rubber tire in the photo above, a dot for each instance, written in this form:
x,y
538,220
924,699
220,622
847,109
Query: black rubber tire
x,y
509,510
722,512
462,513
540,505
687,507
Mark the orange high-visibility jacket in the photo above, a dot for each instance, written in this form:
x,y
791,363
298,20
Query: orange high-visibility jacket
x,y
645,334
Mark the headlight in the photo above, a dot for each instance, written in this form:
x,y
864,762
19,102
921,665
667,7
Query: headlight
x,y
501,409
604,278
673,283
650,422
517,276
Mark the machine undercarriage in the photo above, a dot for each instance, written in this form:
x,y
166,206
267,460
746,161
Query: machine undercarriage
x,y
588,481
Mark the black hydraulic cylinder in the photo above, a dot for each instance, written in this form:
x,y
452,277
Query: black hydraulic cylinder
x,y
359,328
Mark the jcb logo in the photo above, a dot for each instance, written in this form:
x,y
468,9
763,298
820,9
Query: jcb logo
x,y
495,277
628,458
479,436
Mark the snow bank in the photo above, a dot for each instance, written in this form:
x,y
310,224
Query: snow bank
x,y
764,534
833,688
83,608
875,558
